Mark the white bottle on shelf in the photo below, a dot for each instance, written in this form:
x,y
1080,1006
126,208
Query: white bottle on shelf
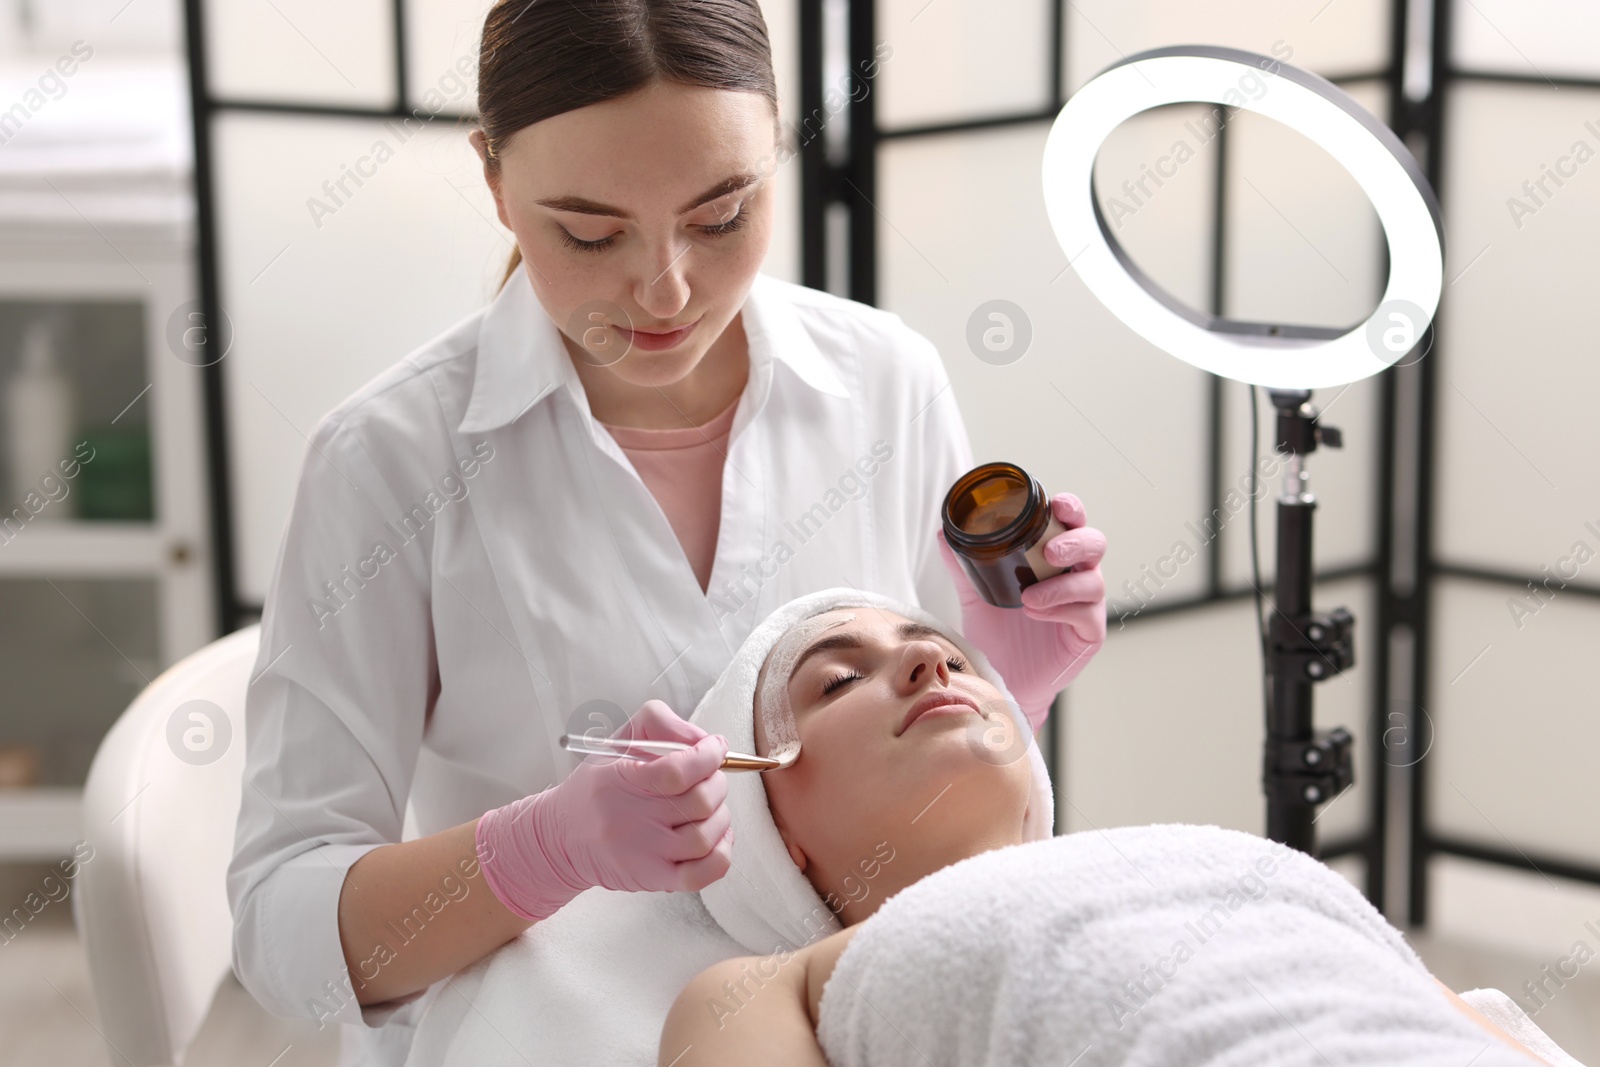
x,y
39,426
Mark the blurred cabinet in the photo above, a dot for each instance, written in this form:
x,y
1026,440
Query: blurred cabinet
x,y
104,557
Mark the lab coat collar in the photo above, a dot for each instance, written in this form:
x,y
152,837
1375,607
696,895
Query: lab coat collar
x,y
774,330
521,357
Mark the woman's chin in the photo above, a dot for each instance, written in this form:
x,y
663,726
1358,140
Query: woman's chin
x,y
656,370
970,738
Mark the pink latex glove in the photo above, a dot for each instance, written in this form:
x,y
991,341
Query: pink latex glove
x,y
617,823
1042,646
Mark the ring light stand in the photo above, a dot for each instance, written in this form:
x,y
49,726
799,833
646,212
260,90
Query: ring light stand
x,y
1301,767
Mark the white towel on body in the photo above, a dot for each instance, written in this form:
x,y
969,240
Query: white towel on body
x,y
1137,947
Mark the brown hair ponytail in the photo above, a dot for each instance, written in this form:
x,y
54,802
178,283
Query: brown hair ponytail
x,y
540,58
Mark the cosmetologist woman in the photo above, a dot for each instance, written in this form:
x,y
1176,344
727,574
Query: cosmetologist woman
x,y
567,512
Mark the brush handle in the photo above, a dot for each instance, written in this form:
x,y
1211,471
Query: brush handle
x,y
644,751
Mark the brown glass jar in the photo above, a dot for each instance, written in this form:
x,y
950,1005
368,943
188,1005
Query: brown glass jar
x,y
997,518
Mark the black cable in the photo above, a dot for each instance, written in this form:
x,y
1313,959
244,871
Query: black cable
x,y
1255,557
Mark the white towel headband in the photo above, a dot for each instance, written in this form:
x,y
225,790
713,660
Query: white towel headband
x,y
765,902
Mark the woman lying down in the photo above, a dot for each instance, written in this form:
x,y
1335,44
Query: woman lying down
x,y
972,937
896,897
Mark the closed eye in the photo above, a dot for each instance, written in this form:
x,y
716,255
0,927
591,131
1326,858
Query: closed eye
x,y
955,663
837,680
580,245
720,228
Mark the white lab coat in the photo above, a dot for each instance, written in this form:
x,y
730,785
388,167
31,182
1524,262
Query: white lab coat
x,y
471,561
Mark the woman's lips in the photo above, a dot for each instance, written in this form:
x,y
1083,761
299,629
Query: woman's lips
x,y
944,702
656,341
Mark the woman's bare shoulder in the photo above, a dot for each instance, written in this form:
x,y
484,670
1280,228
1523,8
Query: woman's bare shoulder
x,y
820,959
747,1009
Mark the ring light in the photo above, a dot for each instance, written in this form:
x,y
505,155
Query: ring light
x,y
1275,356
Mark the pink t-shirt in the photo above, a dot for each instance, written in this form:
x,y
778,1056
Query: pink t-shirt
x,y
682,468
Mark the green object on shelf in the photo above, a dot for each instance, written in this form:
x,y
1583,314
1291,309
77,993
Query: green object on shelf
x,y
116,484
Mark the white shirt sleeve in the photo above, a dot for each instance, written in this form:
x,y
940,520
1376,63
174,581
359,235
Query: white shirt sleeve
x,y
944,450
334,720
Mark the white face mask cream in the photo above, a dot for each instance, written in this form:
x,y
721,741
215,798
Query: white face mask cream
x,y
772,701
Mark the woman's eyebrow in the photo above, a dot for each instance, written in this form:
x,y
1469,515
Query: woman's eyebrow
x,y
906,631
584,206
727,185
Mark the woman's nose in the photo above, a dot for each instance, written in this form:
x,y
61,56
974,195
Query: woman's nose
x,y
662,289
920,659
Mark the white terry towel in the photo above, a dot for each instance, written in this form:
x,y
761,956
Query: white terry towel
x,y
594,982
765,902
1140,946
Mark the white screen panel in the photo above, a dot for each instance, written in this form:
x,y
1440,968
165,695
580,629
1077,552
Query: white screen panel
x,y
442,38
783,33
1156,180
1517,478
1514,710
1167,724
1304,244
113,27
1535,38
1331,37
961,60
1089,408
318,311
304,51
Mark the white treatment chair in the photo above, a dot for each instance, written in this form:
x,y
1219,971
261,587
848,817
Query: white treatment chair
x,y
151,903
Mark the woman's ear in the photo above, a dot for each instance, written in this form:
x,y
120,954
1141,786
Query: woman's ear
x,y
491,173
796,854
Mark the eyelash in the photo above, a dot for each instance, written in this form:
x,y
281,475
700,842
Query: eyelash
x,y
718,230
585,246
955,663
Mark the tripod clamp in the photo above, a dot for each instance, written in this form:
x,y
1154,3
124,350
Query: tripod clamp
x,y
1315,646
1310,772
1302,767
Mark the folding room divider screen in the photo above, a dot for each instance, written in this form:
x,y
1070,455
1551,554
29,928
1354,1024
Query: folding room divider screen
x,y
920,124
